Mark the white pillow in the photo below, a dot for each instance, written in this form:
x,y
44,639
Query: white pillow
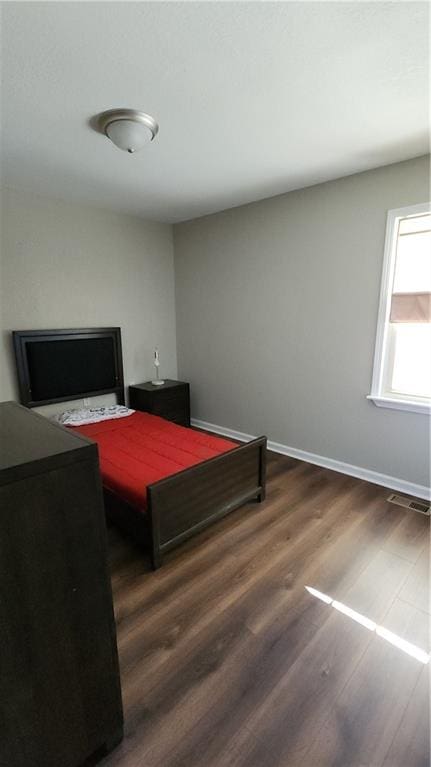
x,y
83,416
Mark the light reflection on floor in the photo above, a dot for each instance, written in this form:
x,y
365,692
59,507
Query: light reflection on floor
x,y
389,636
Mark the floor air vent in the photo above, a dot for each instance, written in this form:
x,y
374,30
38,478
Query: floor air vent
x,y
401,500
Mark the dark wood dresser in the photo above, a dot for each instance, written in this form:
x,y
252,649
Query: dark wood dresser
x,y
60,697
171,400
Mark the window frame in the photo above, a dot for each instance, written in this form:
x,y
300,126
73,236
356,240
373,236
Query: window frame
x,y
378,393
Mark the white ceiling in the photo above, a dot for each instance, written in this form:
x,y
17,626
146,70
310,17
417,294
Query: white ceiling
x,y
253,99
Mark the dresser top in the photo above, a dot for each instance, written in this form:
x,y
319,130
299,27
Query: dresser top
x,y
31,444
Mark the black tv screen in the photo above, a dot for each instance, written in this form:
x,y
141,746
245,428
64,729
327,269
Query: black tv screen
x,y
63,366
60,368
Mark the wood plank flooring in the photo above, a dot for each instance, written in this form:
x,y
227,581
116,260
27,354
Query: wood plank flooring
x,y
228,661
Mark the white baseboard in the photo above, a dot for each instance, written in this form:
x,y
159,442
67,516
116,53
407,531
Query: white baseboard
x,y
401,485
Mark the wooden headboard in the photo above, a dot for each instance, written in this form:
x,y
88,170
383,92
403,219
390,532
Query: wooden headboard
x,y
61,365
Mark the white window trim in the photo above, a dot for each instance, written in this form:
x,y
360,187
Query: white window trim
x,y
378,395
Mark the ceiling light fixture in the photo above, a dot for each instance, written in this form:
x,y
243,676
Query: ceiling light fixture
x,y
128,129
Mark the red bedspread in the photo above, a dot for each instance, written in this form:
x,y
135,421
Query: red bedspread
x,y
140,449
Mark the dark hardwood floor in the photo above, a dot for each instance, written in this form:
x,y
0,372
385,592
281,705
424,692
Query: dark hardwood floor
x,y
228,661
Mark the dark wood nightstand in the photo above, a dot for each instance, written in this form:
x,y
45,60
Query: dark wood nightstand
x,y
170,401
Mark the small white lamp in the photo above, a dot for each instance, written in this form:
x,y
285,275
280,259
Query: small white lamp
x,y
158,381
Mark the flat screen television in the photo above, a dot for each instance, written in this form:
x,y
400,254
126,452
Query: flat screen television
x,y
61,365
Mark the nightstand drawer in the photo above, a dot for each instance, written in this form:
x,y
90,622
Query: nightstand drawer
x,y
176,416
170,398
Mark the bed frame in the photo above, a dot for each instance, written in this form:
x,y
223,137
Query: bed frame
x,y
185,503
180,505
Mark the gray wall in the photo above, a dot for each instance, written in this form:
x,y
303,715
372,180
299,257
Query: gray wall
x,y
65,265
276,318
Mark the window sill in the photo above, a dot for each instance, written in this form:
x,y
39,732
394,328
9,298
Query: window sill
x,y
409,405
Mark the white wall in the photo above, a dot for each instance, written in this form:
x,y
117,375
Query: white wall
x,y
276,319
65,266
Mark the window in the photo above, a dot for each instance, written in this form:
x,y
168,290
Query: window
x,y
402,361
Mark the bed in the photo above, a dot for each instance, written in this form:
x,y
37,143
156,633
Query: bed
x,y
164,483
187,480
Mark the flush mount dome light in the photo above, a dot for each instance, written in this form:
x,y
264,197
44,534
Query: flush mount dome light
x,y
128,129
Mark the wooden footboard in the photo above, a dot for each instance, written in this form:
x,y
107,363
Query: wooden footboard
x,y
186,503
191,500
